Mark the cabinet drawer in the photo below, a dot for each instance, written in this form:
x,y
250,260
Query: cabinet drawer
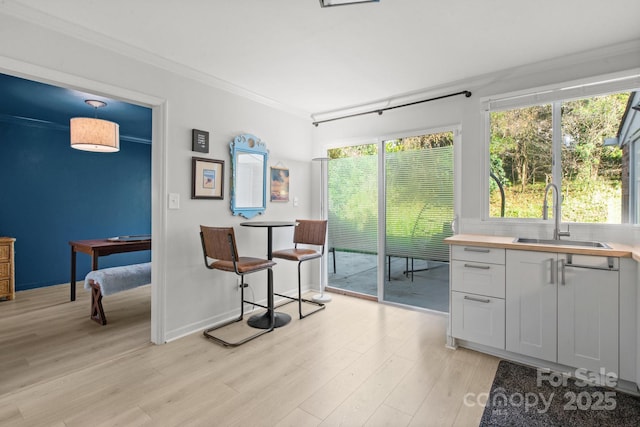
x,y
5,268
5,252
478,254
478,278
4,286
478,319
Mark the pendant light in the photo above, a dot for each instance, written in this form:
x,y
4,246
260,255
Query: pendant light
x,y
93,134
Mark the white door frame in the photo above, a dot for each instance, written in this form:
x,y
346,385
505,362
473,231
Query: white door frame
x,y
158,167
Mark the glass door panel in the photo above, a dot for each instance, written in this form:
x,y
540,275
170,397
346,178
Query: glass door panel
x,y
418,210
352,201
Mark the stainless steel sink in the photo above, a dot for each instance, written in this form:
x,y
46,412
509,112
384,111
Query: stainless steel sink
x,y
588,244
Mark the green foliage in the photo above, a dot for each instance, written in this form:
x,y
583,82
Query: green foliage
x,y
353,151
497,169
596,201
522,139
521,155
585,125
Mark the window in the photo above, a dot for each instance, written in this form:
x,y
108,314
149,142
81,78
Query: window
x,y
572,140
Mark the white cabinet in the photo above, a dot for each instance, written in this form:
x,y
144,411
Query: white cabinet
x,y
477,295
563,308
531,304
588,312
478,319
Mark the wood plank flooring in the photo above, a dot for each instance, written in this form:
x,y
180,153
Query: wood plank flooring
x,y
357,363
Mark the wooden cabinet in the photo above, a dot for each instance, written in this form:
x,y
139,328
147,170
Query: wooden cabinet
x,y
563,308
477,295
7,286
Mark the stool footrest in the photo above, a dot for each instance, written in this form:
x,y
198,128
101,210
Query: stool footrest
x,y
300,300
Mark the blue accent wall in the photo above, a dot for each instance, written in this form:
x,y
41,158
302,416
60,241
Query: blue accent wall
x,y
51,194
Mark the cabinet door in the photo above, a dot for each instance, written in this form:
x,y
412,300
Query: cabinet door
x,y
478,319
588,314
531,304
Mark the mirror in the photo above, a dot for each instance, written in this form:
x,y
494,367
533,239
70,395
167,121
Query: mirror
x,y
249,176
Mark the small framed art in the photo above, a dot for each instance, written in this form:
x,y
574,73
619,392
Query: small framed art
x,y
199,141
279,184
207,178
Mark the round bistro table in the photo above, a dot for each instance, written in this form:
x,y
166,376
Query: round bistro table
x,y
262,321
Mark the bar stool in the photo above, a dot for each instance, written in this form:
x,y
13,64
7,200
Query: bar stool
x,y
307,232
219,244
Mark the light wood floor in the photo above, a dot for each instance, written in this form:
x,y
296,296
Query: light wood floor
x,y
356,363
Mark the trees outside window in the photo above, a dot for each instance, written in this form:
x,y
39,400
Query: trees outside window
x,y
524,142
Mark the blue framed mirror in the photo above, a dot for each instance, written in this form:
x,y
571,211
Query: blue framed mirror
x,y
249,175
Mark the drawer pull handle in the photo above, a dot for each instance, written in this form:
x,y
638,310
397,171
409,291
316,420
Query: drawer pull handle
x,y
481,267
484,251
483,300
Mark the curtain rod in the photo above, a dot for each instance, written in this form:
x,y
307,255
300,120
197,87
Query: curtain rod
x,y
381,110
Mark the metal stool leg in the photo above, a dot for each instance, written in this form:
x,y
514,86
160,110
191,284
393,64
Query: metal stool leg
x,y
207,332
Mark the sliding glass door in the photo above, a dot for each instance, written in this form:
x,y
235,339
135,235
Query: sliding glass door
x,y
413,204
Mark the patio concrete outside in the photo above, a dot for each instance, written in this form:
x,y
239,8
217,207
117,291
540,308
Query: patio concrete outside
x,y
357,272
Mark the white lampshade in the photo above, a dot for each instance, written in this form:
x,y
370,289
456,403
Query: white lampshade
x,y
95,135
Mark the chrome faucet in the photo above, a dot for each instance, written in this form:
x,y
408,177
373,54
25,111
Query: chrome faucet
x,y
556,211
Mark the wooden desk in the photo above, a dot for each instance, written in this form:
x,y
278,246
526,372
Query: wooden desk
x,y
101,247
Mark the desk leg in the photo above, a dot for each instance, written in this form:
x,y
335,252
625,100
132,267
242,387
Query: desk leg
x,y
72,283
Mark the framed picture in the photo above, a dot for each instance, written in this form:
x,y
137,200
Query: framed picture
x,y
200,140
207,178
279,184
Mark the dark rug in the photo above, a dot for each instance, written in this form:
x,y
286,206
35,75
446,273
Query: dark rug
x,y
524,396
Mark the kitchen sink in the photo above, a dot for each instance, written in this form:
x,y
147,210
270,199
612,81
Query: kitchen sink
x,y
588,244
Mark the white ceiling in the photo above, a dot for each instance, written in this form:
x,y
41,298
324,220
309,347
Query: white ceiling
x,y
313,60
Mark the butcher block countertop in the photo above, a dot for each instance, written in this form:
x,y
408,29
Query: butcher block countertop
x,y
617,250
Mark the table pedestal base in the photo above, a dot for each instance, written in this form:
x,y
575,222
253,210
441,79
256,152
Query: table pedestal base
x,y
261,321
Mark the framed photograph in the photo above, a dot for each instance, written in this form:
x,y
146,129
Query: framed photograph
x,y
279,184
207,178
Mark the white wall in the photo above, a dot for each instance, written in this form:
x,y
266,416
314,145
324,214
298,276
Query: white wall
x,y
470,171
190,297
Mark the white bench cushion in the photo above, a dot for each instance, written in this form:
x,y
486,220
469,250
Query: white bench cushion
x,y
118,279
